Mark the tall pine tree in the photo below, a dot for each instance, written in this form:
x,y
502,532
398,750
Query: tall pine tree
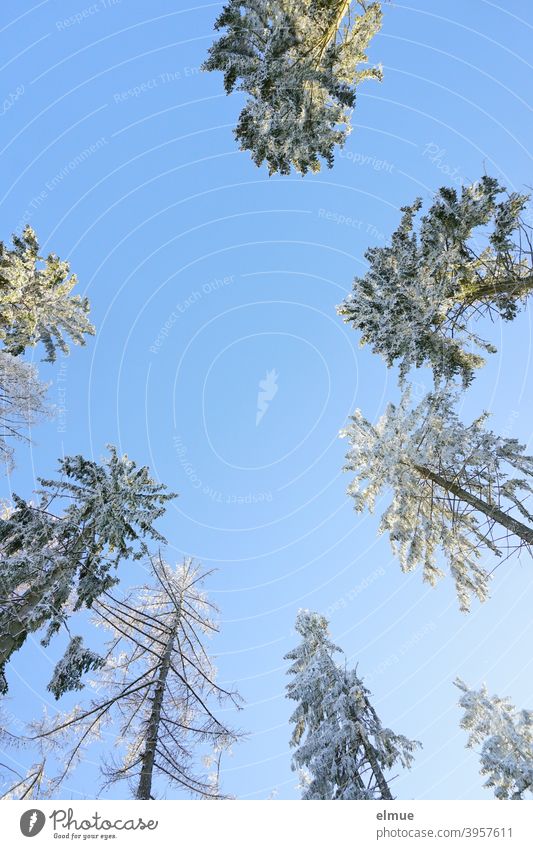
x,y
36,304
454,488
53,562
506,738
299,62
471,256
156,693
342,749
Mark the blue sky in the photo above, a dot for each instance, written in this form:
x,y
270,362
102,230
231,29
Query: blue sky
x,y
204,275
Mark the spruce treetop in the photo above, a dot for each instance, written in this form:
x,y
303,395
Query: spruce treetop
x,y
506,738
452,487
470,256
299,62
342,750
36,304
55,561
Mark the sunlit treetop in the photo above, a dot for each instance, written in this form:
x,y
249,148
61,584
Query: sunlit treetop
x,y
455,490
470,256
300,62
503,736
342,750
55,561
36,304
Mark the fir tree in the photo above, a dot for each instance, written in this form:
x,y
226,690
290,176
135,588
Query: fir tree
x,y
453,487
55,562
36,306
506,738
472,256
342,749
156,690
299,62
35,300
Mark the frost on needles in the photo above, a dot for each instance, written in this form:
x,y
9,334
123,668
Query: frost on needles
x,y
470,256
156,693
452,487
54,562
299,62
22,404
506,738
36,306
342,751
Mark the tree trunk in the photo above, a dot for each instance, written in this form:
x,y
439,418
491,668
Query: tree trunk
x,y
370,756
376,769
491,511
331,32
144,790
368,749
514,287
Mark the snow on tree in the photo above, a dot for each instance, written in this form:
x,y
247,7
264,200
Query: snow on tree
x,y
76,661
472,256
29,786
13,784
299,62
506,738
454,487
35,300
342,749
53,562
35,306
22,404
156,691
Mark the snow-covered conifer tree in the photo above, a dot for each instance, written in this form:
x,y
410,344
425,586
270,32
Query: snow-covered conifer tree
x,y
53,562
35,300
456,488
22,404
299,62
156,692
472,256
35,306
342,749
506,738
